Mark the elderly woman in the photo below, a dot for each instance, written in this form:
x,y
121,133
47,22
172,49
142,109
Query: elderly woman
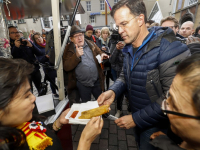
x,y
41,43
18,128
105,46
182,106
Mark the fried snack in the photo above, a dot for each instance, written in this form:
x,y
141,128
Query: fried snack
x,y
88,114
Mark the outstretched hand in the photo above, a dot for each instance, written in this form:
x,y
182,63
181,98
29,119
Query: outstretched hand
x,y
106,98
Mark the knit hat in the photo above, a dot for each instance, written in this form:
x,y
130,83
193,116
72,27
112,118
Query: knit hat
x,y
75,29
89,27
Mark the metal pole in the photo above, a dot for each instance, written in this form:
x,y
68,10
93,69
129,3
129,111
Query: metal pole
x,y
67,35
106,21
57,43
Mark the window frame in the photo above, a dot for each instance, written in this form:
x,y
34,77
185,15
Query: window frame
x,y
102,4
116,1
88,6
92,19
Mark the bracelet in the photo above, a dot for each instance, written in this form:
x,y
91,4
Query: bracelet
x,y
56,126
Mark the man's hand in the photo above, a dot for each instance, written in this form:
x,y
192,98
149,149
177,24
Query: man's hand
x,y
17,43
156,134
104,56
103,48
192,40
79,51
106,98
28,42
120,45
125,122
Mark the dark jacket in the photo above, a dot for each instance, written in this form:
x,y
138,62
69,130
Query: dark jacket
x,y
116,60
194,48
42,58
97,41
70,61
26,53
148,76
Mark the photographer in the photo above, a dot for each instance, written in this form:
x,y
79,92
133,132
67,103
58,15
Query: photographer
x,y
24,49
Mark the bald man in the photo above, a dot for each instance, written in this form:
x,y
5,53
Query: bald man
x,y
187,29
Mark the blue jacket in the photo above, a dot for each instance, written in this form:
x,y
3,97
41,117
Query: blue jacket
x,y
148,74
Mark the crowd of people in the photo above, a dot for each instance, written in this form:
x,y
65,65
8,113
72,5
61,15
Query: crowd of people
x,y
155,66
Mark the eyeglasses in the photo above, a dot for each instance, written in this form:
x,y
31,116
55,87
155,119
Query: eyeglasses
x,y
123,25
14,32
77,36
165,108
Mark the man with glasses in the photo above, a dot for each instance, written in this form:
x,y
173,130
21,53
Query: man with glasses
x,y
151,57
26,52
172,23
81,64
182,106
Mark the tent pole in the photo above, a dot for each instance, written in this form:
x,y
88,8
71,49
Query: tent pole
x,y
57,44
67,35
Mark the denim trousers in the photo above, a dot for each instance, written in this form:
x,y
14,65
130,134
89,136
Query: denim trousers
x,y
142,137
85,92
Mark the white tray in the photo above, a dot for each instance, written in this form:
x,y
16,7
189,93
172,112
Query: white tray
x,y
80,107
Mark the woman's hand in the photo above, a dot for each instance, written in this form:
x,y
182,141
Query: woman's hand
x,y
61,120
90,132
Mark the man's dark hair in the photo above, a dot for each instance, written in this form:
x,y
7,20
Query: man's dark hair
x,y
197,30
136,7
150,21
189,69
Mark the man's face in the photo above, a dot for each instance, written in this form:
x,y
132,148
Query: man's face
x,y
98,33
89,33
78,39
127,24
180,100
171,25
14,33
186,29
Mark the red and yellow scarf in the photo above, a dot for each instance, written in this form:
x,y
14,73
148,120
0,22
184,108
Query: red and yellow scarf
x,y
35,135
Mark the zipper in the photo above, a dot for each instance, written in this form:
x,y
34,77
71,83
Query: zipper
x,y
128,73
152,82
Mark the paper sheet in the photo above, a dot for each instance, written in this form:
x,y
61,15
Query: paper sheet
x,y
44,103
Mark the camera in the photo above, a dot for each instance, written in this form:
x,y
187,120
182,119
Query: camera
x,y
23,42
115,36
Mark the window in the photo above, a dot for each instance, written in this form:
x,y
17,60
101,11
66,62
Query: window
x,y
102,5
92,19
21,21
88,4
9,23
46,22
116,1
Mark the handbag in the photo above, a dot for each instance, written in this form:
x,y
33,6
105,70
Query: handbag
x,y
43,87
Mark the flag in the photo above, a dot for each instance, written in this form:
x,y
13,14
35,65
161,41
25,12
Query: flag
x,y
108,4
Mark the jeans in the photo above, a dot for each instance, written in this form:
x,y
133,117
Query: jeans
x,y
52,75
36,79
142,137
85,92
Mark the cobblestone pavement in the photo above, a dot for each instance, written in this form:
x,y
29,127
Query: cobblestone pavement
x,y
111,137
